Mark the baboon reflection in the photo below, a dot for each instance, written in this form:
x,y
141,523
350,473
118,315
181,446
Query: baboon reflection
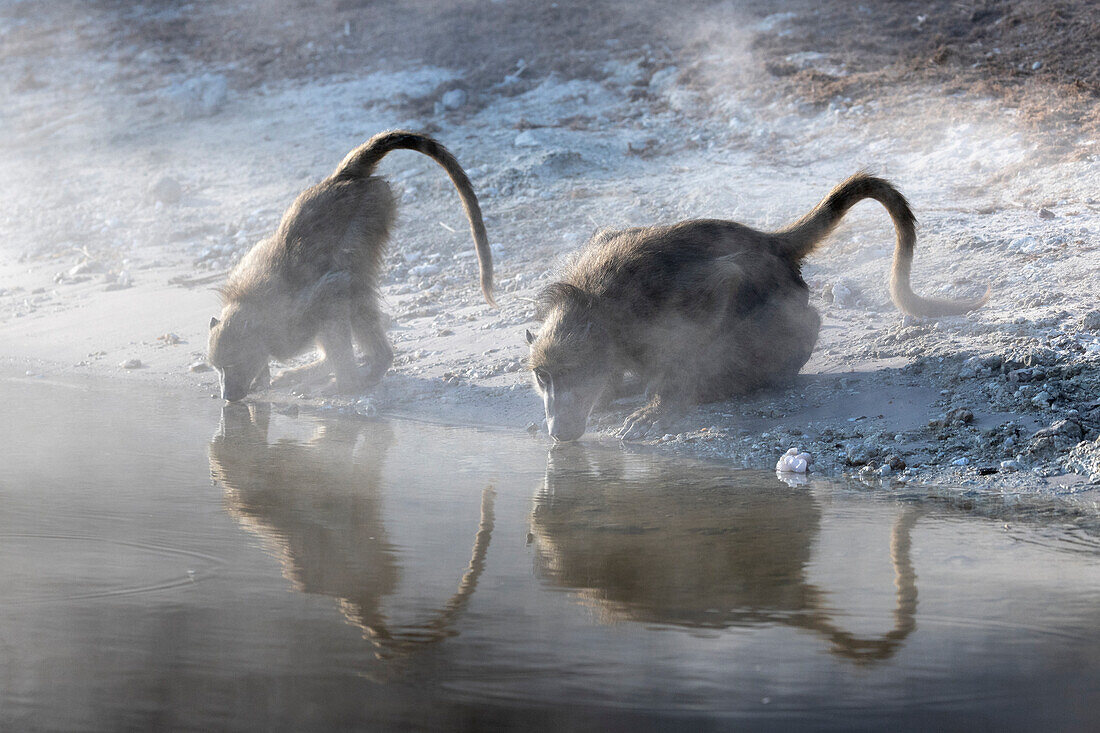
x,y
319,504
657,546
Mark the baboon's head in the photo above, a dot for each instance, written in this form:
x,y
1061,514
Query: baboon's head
x,y
236,350
571,360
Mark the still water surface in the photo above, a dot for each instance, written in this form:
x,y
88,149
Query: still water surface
x,y
167,564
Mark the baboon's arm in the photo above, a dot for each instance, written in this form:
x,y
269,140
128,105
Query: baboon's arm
x,y
654,415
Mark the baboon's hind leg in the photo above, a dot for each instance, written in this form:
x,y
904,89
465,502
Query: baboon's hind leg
x,y
335,341
798,338
366,323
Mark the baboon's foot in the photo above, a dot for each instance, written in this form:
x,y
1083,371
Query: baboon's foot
x,y
332,388
307,374
371,371
649,420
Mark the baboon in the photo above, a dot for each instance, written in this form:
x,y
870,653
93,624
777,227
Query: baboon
x,y
318,504
316,280
642,540
699,311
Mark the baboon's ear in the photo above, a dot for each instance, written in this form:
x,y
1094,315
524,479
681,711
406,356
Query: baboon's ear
x,y
214,321
530,337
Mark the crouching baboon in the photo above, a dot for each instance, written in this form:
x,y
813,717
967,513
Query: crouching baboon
x,y
700,311
315,282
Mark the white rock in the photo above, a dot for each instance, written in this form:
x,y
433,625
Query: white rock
x,y
424,270
526,139
199,96
453,99
664,80
166,190
793,461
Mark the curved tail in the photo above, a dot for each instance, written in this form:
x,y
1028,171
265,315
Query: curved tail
x,y
799,239
362,161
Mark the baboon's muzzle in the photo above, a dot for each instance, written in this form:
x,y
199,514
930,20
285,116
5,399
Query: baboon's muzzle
x,y
566,429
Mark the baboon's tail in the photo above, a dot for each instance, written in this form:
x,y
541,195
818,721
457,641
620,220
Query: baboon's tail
x,y
362,161
799,239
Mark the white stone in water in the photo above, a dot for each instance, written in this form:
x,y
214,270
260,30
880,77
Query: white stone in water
x,y
793,461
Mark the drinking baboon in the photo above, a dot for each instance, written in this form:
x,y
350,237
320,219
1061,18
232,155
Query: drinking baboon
x,y
316,280
645,541
700,311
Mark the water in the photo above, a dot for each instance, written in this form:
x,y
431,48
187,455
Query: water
x,y
328,573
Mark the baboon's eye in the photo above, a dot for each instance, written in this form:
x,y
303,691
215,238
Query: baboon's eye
x,y
542,377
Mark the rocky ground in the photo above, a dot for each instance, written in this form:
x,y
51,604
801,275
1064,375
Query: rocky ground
x,y
150,145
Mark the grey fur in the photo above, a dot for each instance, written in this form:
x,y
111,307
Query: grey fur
x,y
316,280
702,310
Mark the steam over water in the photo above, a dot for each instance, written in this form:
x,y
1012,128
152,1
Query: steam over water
x,y
340,572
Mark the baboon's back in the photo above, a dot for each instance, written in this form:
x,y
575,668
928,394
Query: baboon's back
x,y
337,225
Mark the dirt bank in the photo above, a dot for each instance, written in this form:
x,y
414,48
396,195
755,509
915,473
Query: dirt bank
x,y
151,145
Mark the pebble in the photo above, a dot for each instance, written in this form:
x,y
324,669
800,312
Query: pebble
x,y
131,364
423,270
1043,399
199,96
84,268
453,99
857,455
167,190
532,427
199,366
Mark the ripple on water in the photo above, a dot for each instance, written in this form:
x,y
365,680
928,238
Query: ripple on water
x,y
60,568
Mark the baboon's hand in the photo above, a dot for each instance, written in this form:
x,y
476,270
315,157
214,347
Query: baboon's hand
x,y
647,420
263,379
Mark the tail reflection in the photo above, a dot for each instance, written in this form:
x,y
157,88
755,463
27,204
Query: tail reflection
x,y
642,541
318,504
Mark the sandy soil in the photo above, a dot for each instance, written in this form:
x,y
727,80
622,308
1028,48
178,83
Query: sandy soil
x,y
148,146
